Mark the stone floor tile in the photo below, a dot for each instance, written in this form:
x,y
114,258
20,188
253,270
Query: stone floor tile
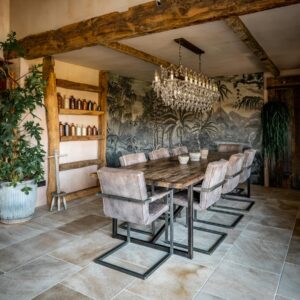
x,y
135,257
236,282
85,225
11,234
84,250
278,297
127,295
272,234
272,210
258,254
296,231
62,292
205,296
289,285
15,255
212,260
293,255
98,282
177,278
286,222
33,278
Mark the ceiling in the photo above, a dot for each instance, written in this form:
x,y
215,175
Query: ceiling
x,y
276,30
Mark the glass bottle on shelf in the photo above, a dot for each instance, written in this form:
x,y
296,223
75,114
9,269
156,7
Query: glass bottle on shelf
x,y
59,100
89,130
73,130
61,129
78,130
66,102
95,130
72,102
90,105
67,129
94,106
83,130
98,108
79,104
84,104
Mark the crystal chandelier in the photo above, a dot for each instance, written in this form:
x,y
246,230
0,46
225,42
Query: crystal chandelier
x,y
183,88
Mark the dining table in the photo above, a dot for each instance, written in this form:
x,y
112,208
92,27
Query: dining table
x,y
169,173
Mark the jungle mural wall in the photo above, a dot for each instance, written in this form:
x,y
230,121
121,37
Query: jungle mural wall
x,y
139,122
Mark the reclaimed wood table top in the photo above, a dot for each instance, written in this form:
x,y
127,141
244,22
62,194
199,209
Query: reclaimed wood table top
x,y
169,173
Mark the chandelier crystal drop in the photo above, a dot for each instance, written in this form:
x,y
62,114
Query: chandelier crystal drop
x,y
185,89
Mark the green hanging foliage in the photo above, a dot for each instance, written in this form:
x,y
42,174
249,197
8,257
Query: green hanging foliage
x,y
21,151
275,119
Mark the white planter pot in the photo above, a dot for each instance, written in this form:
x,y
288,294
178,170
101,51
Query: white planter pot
x,y
15,205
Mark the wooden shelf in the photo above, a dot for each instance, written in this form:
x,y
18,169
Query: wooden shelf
x,y
79,164
64,111
80,138
83,193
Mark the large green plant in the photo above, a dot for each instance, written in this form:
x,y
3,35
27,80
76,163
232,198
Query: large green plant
x,y
21,151
275,119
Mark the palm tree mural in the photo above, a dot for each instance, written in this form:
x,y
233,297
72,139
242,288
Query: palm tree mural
x,y
223,90
177,121
204,127
249,103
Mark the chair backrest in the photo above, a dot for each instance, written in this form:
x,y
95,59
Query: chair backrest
x,y
230,148
248,161
127,184
131,159
214,176
232,177
160,153
180,150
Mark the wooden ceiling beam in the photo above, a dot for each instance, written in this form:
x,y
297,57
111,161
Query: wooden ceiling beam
x,y
237,25
140,20
136,53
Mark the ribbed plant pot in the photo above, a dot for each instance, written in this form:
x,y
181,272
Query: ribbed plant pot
x,y
15,205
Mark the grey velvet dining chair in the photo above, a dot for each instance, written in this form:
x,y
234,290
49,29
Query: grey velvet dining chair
x,y
244,176
180,150
232,178
132,158
125,198
129,160
159,153
210,192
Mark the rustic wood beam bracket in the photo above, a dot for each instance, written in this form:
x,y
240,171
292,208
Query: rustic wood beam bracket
x,y
237,25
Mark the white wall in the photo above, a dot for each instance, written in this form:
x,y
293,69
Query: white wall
x,y
34,16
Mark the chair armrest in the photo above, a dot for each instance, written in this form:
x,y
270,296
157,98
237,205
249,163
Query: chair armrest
x,y
197,188
158,196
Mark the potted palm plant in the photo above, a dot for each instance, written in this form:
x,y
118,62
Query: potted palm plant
x,y
21,151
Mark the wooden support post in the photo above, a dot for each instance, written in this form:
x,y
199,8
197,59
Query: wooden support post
x,y
103,85
50,101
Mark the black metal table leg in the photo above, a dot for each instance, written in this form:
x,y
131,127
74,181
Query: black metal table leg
x,y
249,187
114,228
190,222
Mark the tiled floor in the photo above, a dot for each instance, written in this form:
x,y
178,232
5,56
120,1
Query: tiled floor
x,y
51,257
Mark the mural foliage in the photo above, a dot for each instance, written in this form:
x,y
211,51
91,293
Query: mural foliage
x,y
139,122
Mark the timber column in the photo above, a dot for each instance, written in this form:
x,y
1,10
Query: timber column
x,y
50,101
103,86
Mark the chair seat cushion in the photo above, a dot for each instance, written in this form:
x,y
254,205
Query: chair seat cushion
x,y
181,199
156,209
